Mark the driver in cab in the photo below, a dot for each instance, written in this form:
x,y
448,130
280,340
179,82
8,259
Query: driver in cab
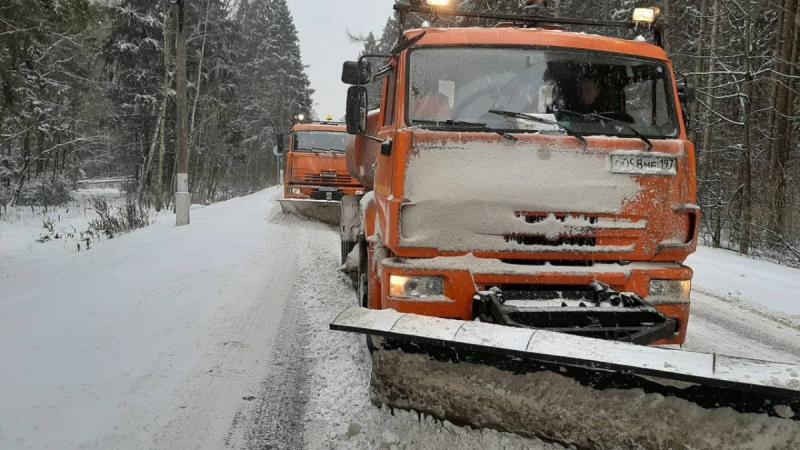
x,y
589,95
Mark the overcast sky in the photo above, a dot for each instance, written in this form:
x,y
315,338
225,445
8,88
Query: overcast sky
x,y
323,26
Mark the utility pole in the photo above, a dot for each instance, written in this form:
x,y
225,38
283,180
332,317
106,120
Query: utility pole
x,y
182,197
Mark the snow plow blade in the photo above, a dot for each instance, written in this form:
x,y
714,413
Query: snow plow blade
x,y
558,386
325,211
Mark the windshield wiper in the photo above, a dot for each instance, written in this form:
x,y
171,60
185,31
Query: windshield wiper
x,y
464,123
599,116
453,123
537,119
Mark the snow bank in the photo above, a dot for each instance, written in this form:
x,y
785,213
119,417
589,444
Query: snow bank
x,y
22,226
759,283
554,407
338,413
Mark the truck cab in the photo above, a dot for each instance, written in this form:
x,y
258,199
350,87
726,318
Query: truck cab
x,y
316,166
527,176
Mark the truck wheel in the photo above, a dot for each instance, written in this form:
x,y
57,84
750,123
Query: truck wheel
x,y
347,247
362,285
361,280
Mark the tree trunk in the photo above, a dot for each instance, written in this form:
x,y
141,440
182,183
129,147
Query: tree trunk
x,y
199,82
709,166
746,161
162,149
143,176
779,151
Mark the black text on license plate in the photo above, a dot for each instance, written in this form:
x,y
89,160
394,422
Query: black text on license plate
x,y
644,164
327,189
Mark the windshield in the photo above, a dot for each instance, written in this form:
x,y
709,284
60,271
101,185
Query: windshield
x,y
320,141
588,93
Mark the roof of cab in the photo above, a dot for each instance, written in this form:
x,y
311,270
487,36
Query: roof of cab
x,y
332,127
538,37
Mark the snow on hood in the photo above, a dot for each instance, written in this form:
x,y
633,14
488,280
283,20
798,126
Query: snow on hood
x,y
467,194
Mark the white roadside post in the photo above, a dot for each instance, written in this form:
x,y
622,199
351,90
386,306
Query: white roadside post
x,y
182,199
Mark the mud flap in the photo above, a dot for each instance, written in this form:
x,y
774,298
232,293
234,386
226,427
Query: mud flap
x,y
325,211
746,385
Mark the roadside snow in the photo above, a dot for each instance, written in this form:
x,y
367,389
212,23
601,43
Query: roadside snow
x,y
23,225
760,283
105,348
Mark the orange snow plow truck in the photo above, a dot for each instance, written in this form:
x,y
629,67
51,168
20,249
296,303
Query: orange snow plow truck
x,y
532,164
531,197
315,174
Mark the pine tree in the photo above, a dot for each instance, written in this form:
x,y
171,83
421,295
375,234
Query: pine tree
x,y
42,80
276,87
134,55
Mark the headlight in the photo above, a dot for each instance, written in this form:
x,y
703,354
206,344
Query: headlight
x,y
296,191
679,290
415,287
359,192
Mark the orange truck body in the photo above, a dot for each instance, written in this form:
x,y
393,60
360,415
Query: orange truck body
x,y
412,218
317,175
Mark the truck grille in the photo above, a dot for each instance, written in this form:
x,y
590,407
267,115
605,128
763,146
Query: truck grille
x,y
531,217
329,178
547,242
575,230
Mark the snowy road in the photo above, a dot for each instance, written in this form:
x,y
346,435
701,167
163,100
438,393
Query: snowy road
x,y
719,325
215,335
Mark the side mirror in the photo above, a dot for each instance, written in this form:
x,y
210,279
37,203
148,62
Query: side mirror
x,y
686,92
280,143
356,115
354,72
686,95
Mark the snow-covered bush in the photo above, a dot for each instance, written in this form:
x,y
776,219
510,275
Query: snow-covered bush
x,y
45,192
112,221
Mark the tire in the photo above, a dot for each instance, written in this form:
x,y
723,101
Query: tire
x,y
362,288
347,247
361,282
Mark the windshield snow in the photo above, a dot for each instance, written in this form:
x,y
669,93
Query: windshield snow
x,y
588,93
320,141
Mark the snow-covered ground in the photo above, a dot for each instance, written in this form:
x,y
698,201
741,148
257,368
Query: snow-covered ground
x,y
215,335
22,226
762,284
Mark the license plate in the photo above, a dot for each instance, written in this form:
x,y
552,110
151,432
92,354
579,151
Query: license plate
x,y
644,164
327,189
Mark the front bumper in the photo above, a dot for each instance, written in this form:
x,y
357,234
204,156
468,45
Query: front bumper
x,y
464,276
311,192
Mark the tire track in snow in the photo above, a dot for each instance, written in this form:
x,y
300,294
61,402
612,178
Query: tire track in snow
x,y
278,423
230,372
726,326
